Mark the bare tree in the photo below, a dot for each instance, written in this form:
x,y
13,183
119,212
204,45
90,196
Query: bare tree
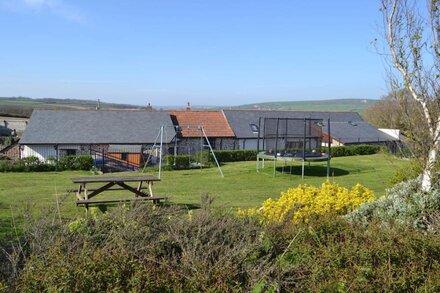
x,y
412,34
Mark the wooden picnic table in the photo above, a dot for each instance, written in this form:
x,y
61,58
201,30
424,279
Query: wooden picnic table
x,y
84,194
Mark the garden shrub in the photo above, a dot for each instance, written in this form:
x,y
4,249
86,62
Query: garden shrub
x,y
405,204
83,162
305,202
179,162
354,150
407,172
234,155
66,163
34,164
410,171
143,248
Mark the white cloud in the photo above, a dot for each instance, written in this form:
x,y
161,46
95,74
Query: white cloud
x,y
59,8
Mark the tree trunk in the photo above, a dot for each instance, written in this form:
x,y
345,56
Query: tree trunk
x,y
428,172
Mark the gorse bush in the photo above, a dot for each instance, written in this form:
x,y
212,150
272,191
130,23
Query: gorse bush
x,y
405,204
302,203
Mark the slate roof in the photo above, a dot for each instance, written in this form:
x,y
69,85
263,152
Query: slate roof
x,y
123,148
358,131
214,123
94,127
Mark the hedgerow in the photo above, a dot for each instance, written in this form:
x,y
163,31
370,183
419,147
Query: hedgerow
x,y
34,164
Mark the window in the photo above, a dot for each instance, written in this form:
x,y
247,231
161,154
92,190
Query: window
x,y
254,128
70,152
124,156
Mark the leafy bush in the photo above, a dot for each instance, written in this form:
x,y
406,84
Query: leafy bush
x,y
33,164
304,202
354,150
411,171
180,162
83,162
6,165
405,204
407,172
144,248
234,155
66,163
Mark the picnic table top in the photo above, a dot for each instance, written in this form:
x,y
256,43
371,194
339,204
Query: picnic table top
x,y
92,179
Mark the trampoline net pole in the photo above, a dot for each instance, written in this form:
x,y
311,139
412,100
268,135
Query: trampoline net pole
x,y
328,148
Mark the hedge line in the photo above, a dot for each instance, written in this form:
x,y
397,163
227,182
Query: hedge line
x,y
234,155
33,164
355,150
181,162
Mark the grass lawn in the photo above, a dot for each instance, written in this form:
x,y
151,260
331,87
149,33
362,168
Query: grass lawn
x,y
241,187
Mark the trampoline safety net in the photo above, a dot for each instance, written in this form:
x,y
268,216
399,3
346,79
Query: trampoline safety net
x,y
291,137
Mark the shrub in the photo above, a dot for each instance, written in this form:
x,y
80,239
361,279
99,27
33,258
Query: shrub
x,y
142,248
405,173
234,155
66,163
354,150
180,162
405,204
304,202
33,164
83,162
411,171
6,165
146,249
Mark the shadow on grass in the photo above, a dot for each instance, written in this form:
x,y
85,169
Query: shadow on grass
x,y
314,171
105,206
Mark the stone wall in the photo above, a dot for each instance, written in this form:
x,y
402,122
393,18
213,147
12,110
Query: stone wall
x,y
190,146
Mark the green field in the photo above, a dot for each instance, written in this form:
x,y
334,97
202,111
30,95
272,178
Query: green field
x,y
241,187
61,103
355,105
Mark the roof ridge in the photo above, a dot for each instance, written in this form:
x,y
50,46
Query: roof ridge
x,y
284,110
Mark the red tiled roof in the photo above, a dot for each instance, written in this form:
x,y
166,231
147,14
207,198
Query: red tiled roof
x,y
214,123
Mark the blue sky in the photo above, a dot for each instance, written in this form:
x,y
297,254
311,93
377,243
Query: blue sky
x,y
208,52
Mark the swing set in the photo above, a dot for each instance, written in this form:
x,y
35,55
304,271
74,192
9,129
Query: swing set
x,y
162,135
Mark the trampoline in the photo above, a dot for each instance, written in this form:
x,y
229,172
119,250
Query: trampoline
x,y
292,139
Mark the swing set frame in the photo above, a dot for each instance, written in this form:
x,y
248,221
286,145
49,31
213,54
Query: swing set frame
x,y
159,143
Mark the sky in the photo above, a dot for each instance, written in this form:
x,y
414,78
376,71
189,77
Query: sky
x,y
207,52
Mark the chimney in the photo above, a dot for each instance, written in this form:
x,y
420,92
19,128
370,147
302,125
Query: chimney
x,y
188,107
149,108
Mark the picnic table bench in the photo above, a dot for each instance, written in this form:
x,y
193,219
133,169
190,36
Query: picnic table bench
x,y
113,183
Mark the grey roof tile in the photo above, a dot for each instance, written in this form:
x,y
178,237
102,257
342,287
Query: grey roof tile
x,y
95,127
240,121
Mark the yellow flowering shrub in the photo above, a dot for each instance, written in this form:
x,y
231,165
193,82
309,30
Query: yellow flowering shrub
x,y
304,202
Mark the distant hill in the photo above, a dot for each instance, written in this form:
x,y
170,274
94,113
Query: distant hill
x,y
22,106
354,105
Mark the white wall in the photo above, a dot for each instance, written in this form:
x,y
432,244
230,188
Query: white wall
x,y
395,133
40,151
43,152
